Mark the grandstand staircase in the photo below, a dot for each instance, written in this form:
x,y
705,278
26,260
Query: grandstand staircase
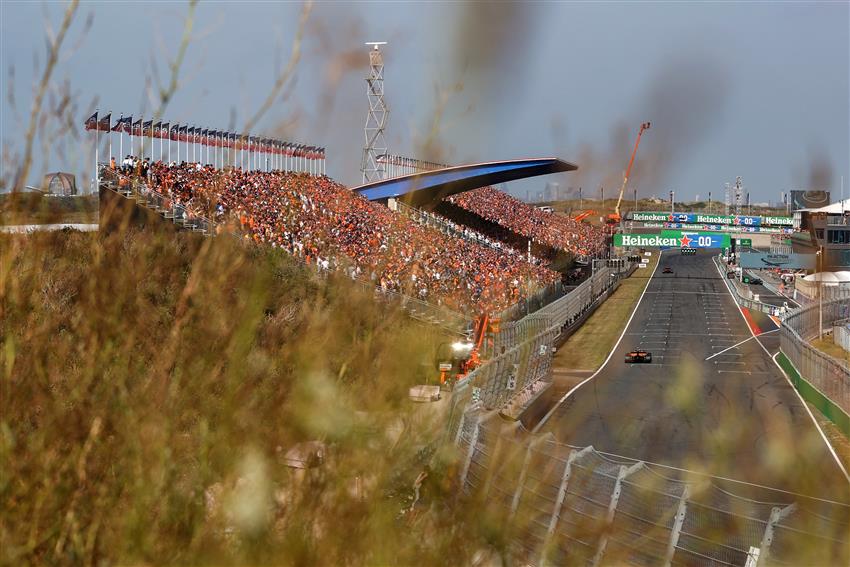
x,y
158,204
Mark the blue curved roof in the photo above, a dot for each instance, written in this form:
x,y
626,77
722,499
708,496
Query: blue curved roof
x,y
432,186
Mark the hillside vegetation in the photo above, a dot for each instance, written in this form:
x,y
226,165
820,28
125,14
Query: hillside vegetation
x,y
152,386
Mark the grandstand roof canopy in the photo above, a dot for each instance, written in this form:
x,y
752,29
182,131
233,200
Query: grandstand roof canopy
x,y
432,186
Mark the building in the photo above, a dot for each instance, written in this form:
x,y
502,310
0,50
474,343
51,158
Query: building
x,y
828,229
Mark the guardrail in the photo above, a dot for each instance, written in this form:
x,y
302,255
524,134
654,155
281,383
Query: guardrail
x,y
522,353
828,375
571,505
744,301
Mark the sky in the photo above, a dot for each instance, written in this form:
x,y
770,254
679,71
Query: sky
x,y
757,90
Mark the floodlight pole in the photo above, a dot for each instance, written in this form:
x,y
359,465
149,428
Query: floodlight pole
x,y
376,118
820,291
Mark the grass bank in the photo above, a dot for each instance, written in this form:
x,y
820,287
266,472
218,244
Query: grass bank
x,y
828,346
153,385
590,345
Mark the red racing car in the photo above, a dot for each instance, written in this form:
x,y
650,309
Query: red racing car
x,y
639,356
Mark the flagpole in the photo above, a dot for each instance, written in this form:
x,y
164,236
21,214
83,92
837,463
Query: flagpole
x,y
109,133
96,140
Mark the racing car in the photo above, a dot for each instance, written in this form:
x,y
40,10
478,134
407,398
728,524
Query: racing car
x,y
639,356
667,270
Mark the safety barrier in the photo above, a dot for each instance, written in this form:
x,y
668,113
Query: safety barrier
x,y
572,505
821,379
742,298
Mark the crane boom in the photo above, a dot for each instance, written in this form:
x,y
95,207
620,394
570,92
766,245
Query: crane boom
x,y
616,216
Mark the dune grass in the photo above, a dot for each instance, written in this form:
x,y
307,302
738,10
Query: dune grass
x,y
153,384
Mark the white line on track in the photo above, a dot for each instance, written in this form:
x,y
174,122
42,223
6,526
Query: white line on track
x,y
610,354
739,344
788,379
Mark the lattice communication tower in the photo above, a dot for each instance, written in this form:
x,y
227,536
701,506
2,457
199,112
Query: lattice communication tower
x,y
376,120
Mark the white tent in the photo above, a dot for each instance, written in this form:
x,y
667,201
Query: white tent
x,y
829,278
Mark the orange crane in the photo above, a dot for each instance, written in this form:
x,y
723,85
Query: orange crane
x,y
584,215
614,218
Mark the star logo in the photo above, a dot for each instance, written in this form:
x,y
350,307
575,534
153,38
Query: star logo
x,y
686,242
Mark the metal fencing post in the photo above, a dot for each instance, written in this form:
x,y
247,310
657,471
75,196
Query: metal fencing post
x,y
559,501
612,507
776,514
524,471
677,526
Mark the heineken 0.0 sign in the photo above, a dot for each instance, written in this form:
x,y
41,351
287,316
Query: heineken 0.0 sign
x,y
684,240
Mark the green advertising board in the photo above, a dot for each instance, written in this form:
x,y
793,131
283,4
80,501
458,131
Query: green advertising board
x,y
747,242
724,239
673,239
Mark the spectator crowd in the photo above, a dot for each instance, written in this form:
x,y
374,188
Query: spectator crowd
x,y
550,229
325,223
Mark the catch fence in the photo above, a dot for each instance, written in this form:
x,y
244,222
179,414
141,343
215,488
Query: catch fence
x,y
828,374
571,505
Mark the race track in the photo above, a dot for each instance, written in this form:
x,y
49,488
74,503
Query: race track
x,y
706,402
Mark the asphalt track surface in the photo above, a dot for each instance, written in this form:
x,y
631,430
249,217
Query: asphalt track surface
x,y
700,404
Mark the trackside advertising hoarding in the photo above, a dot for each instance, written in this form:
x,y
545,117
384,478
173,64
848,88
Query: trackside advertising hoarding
x,y
683,240
701,218
789,261
721,227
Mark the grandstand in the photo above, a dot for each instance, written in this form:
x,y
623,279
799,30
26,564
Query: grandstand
x,y
495,213
326,224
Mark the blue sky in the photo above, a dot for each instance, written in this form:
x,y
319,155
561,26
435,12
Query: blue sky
x,y
757,90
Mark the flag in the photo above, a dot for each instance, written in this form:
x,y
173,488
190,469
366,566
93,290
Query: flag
x,y
146,128
105,123
164,130
183,134
175,132
156,128
91,122
123,124
136,129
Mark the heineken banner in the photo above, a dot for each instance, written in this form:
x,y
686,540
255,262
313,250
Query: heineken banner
x,y
733,220
721,227
700,239
673,239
